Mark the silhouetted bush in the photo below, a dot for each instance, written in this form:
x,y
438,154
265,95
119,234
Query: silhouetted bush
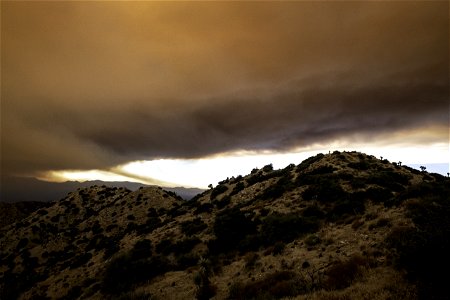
x,y
326,169
423,250
309,161
276,190
285,228
22,244
220,189
268,168
277,285
177,211
164,247
313,211
124,271
327,190
80,260
312,240
230,227
186,260
150,224
345,206
341,274
192,227
223,202
142,249
204,208
237,188
392,180
185,245
360,165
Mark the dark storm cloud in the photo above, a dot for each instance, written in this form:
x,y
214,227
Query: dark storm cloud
x,y
294,115
91,85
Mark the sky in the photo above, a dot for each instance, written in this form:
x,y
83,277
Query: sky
x,y
189,93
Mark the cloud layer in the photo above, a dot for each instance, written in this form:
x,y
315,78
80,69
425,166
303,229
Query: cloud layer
x,y
93,84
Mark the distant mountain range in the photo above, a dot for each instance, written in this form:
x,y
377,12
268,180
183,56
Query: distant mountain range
x,y
339,226
19,189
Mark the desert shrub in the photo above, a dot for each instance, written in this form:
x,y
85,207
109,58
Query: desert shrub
x,y
150,224
309,161
278,248
220,189
80,260
185,245
167,246
250,259
382,222
22,244
237,188
186,260
422,190
312,240
268,168
123,271
97,228
255,178
151,212
55,218
14,284
142,249
42,212
341,274
237,179
327,189
111,227
273,286
378,195
111,248
204,208
193,226
345,207
173,194
276,190
357,223
423,250
230,228
285,228
223,202
74,292
347,176
313,211
177,211
360,165
205,289
358,182
164,247
322,170
392,180
261,176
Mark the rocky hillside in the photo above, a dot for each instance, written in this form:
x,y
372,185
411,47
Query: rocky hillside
x,y
13,212
339,226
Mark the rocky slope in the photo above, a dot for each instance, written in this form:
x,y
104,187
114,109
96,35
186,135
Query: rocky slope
x,y
339,226
13,212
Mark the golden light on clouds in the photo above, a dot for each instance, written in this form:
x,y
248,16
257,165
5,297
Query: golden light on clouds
x,y
202,172
98,86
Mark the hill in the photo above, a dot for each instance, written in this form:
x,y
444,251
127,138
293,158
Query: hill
x,y
23,189
339,226
13,212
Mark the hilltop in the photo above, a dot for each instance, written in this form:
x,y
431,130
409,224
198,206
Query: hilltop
x,y
24,189
345,225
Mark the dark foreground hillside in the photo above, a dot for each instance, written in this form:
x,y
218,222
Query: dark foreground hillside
x,y
339,226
